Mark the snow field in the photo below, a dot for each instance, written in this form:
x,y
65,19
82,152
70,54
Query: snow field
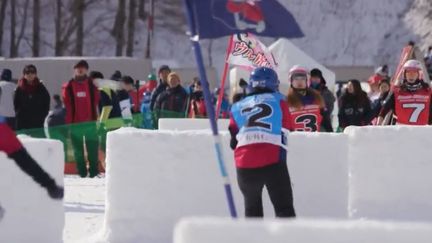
x,y
31,216
390,173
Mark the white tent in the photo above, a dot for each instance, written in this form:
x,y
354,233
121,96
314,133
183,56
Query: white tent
x,y
287,55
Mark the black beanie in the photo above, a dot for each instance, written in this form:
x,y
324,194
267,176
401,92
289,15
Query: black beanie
x,y
127,80
82,63
317,73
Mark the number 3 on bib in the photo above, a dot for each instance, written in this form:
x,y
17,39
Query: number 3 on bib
x,y
417,110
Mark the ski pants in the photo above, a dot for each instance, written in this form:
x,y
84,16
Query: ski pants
x,y
277,181
85,135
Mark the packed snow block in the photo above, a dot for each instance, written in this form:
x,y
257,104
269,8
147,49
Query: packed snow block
x,y
216,230
190,124
318,166
154,178
30,214
390,172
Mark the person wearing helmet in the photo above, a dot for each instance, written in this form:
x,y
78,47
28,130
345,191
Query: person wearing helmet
x,y
258,126
306,105
411,100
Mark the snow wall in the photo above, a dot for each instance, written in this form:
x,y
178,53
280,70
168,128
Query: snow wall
x,y
214,230
27,205
155,178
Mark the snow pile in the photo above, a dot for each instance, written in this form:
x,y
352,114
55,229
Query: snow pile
x,y
318,168
190,124
212,230
155,178
390,173
28,207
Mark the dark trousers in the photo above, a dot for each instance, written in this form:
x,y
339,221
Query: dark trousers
x,y
11,122
277,181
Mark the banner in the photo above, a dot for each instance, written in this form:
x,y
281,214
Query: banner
x,y
217,18
248,52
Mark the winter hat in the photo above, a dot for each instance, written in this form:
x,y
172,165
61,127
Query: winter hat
x,y
29,69
164,68
82,63
6,75
317,73
151,77
117,76
96,75
127,79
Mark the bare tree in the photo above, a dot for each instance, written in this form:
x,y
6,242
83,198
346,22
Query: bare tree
x,y
150,25
14,40
36,28
12,49
131,28
141,10
118,29
2,18
79,7
65,26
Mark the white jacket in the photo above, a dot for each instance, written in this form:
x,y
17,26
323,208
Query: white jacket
x,y
7,99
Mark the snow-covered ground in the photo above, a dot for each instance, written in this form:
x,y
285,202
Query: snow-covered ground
x,y
84,205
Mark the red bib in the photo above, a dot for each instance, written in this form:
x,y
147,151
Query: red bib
x,y
412,108
306,119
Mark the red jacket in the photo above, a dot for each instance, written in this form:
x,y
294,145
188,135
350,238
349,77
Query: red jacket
x,y
81,99
9,143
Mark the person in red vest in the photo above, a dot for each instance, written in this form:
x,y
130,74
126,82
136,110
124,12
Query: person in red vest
x,y
411,100
149,86
81,99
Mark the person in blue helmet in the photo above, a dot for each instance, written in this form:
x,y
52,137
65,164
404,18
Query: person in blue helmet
x,y
258,126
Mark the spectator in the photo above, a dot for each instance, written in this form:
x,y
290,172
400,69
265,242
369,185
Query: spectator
x,y
116,76
384,87
306,105
81,98
374,80
56,117
197,108
354,109
149,86
318,82
163,73
147,122
108,97
173,101
6,102
224,106
31,100
125,100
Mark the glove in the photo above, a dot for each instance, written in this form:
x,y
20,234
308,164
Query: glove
x,y
55,192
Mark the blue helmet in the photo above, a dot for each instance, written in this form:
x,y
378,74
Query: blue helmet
x,y
263,78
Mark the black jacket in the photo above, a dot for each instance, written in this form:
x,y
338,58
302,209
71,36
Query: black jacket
x,y
172,100
159,89
56,117
109,99
31,108
354,112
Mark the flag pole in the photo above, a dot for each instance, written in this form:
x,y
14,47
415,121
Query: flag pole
x,y
224,75
209,106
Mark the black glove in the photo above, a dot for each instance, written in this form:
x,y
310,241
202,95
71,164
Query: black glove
x,y
56,192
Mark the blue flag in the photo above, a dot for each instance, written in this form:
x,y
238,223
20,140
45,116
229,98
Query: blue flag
x,y
217,18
